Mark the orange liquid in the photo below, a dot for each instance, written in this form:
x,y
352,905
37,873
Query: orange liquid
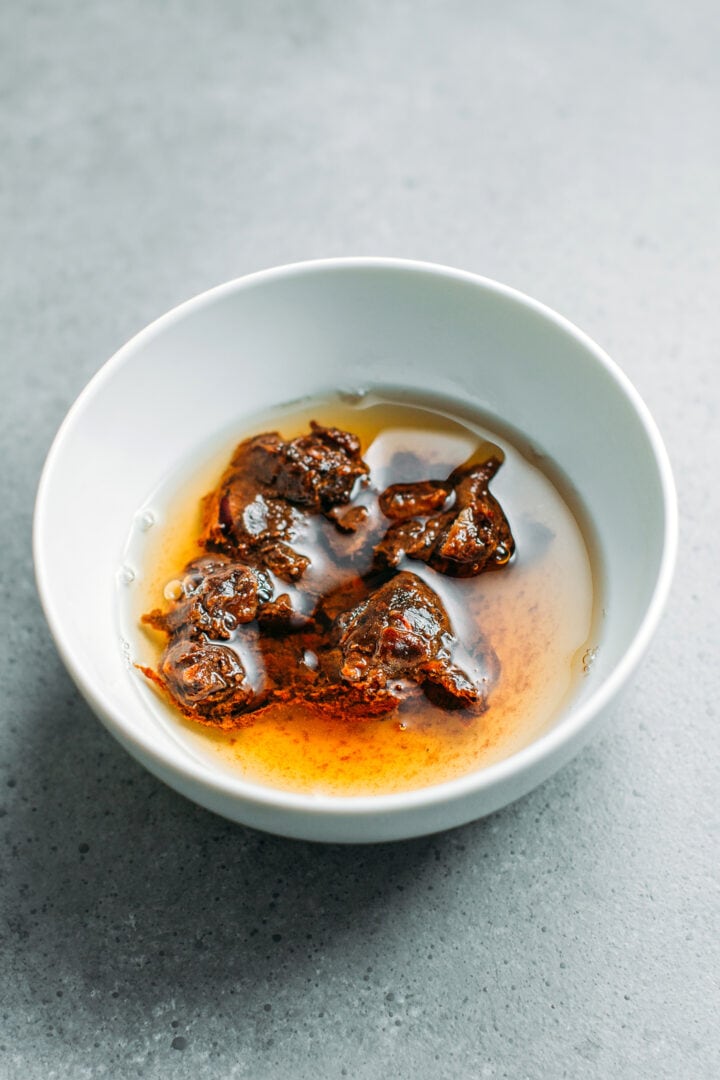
x,y
538,614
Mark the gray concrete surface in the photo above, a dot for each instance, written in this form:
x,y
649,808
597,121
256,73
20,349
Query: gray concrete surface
x,y
152,150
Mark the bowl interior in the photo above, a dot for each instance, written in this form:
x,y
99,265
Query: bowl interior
x,y
282,335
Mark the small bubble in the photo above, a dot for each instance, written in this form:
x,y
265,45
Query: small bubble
x,y
173,590
146,520
310,659
353,395
229,621
589,659
127,657
126,575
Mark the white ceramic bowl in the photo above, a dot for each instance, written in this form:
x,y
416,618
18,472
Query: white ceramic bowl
x,y
315,327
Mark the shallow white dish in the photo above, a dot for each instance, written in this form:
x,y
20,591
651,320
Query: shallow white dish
x,y
317,327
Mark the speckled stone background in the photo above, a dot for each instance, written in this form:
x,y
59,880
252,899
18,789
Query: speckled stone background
x,y
151,150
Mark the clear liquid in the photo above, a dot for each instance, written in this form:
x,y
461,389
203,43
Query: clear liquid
x,y
539,614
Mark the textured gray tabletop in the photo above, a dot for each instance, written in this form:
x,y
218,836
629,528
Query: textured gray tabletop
x,y
152,150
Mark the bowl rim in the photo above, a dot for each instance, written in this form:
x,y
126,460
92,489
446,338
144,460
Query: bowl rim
x,y
490,777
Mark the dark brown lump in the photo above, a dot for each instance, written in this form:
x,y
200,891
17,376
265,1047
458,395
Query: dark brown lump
x,y
369,648
317,471
261,507
235,641
206,680
456,526
401,633
217,596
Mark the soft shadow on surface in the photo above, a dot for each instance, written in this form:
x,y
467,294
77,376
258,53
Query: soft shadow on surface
x,y
131,901
124,886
